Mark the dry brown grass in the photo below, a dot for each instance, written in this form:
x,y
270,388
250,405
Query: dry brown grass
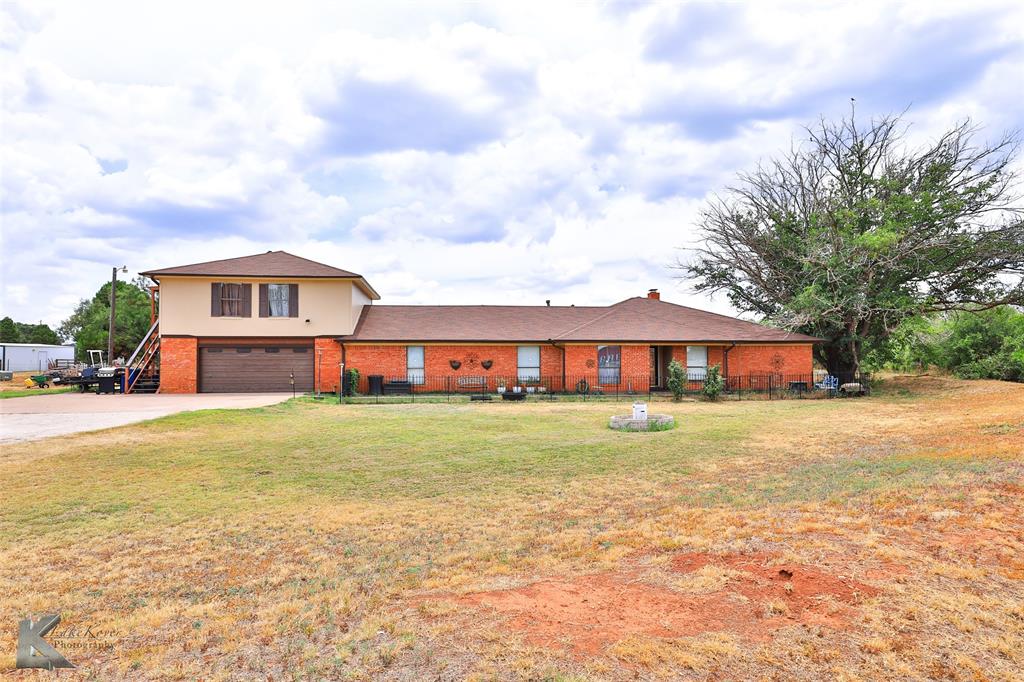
x,y
353,542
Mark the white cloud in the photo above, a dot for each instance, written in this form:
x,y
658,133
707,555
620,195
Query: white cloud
x,y
449,152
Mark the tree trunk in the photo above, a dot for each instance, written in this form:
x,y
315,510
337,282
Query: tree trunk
x,y
839,358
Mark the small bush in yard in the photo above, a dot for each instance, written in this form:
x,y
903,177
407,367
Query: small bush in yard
x,y
352,379
713,383
676,379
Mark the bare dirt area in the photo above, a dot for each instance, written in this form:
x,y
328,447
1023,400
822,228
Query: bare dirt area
x,y
17,385
759,595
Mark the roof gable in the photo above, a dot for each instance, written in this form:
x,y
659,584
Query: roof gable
x,y
269,264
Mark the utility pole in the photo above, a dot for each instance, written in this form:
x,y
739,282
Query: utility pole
x,y
113,308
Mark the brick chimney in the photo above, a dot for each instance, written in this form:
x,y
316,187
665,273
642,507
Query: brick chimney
x,y
653,294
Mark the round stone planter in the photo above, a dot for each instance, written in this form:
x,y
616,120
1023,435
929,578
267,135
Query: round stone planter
x,y
654,422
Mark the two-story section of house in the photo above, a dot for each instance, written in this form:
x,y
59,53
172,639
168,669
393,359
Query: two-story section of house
x,y
259,323
254,323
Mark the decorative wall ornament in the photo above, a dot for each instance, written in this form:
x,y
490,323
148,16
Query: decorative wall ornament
x,y
455,364
486,364
590,363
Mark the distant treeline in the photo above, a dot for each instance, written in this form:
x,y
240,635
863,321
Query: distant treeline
x,y
22,332
988,344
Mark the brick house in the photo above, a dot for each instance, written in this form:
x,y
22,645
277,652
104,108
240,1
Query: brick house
x,y
255,323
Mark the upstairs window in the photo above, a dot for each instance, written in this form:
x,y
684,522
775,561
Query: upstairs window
x,y
279,300
230,299
277,295
414,365
609,364
528,363
696,363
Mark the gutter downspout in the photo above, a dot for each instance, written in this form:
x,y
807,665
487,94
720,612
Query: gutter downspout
x,y
561,348
725,360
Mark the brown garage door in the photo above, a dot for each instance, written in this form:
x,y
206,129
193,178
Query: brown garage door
x,y
255,369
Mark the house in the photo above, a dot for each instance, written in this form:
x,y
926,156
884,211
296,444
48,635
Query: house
x,y
257,323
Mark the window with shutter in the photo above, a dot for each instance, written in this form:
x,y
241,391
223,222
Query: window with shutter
x,y
230,300
278,300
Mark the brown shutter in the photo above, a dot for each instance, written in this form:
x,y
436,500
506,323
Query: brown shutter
x,y
246,300
264,301
215,299
293,300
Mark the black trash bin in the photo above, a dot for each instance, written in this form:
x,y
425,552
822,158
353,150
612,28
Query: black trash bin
x,y
376,384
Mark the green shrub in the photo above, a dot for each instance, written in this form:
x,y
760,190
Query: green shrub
x,y
714,384
985,344
352,378
676,379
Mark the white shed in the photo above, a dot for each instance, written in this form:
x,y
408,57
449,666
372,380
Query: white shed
x,y
33,357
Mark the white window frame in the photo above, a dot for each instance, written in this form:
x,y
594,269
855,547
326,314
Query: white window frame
x,y
696,363
414,373
608,373
526,369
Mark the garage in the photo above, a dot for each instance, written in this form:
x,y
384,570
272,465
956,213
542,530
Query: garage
x,y
255,368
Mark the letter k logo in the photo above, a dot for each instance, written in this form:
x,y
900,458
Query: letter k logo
x,y
33,650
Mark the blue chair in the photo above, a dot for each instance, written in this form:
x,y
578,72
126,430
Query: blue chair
x,y
829,383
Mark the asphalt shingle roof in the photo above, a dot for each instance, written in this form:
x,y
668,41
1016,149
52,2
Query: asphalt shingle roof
x,y
269,264
635,319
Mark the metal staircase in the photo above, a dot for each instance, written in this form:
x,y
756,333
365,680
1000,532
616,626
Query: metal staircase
x,y
142,372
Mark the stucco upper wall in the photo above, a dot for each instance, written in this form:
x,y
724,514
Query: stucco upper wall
x,y
328,304
359,299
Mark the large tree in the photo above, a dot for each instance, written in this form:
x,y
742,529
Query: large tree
x,y
90,322
854,231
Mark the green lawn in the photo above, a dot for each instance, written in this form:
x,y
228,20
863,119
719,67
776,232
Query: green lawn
x,y
317,539
22,393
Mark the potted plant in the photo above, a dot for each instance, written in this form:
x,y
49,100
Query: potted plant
x,y
501,385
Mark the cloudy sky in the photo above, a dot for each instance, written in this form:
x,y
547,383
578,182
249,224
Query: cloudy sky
x,y
466,152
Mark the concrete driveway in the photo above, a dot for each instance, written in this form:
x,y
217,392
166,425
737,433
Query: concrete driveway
x,y
42,416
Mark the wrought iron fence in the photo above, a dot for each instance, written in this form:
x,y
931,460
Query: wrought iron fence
x,y
585,387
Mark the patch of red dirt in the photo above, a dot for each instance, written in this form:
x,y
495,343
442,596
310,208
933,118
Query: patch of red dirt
x,y
588,613
801,587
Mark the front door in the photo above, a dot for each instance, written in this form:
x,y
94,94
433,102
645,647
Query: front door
x,y
655,368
